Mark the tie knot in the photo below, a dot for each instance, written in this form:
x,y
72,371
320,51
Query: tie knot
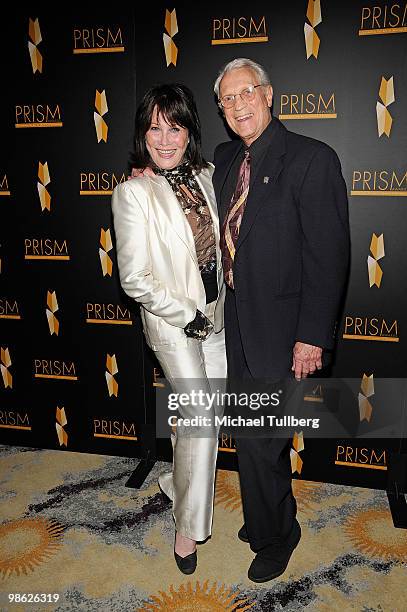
x,y
247,155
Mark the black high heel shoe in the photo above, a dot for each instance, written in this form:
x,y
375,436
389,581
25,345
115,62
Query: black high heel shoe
x,y
187,565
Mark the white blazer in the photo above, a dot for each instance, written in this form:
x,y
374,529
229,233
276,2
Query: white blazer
x,y
157,260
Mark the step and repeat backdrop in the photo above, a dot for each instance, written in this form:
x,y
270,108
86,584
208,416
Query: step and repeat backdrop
x,y
75,373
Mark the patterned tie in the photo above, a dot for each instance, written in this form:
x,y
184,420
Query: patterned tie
x,y
233,219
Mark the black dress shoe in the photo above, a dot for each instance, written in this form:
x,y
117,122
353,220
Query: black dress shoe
x,y
271,561
242,534
187,564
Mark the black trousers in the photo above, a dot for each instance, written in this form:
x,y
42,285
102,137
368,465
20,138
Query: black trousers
x,y
269,506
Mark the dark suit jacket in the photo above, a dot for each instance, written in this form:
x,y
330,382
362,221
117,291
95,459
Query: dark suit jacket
x,y
292,253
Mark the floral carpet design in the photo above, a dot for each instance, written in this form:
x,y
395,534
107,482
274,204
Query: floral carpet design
x,y
70,527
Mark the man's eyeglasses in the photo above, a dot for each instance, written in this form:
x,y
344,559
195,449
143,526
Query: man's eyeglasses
x,y
247,95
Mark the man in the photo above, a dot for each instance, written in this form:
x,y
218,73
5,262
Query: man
x,y
285,242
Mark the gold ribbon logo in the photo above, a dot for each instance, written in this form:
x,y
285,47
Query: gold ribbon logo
x,y
297,447
374,269
105,246
101,109
311,37
366,390
52,304
111,370
35,38
171,26
61,421
43,181
5,364
386,95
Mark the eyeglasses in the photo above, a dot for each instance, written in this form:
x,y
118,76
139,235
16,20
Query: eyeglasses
x,y
247,95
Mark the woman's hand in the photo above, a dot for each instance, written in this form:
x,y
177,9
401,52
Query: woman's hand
x,y
199,328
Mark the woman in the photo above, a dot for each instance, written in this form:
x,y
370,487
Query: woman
x,y
167,236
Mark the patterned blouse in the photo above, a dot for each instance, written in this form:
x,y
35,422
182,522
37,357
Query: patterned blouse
x,y
195,207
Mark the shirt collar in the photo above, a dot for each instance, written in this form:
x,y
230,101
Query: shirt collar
x,y
259,146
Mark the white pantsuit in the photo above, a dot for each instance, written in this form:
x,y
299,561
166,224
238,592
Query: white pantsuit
x,y
158,267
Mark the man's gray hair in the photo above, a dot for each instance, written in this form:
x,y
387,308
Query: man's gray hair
x,y
242,62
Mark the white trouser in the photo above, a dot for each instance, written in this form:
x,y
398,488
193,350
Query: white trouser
x,y
191,483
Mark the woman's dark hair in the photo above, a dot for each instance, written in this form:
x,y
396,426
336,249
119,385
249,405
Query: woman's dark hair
x,y
176,104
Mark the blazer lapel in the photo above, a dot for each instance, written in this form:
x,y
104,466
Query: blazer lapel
x,y
169,206
221,172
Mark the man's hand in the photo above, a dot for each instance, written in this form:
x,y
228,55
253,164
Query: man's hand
x,y
135,172
306,359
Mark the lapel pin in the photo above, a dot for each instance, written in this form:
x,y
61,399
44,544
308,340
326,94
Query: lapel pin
x,y
266,179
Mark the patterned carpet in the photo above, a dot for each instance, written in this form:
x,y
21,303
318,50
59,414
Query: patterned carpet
x,y
69,526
